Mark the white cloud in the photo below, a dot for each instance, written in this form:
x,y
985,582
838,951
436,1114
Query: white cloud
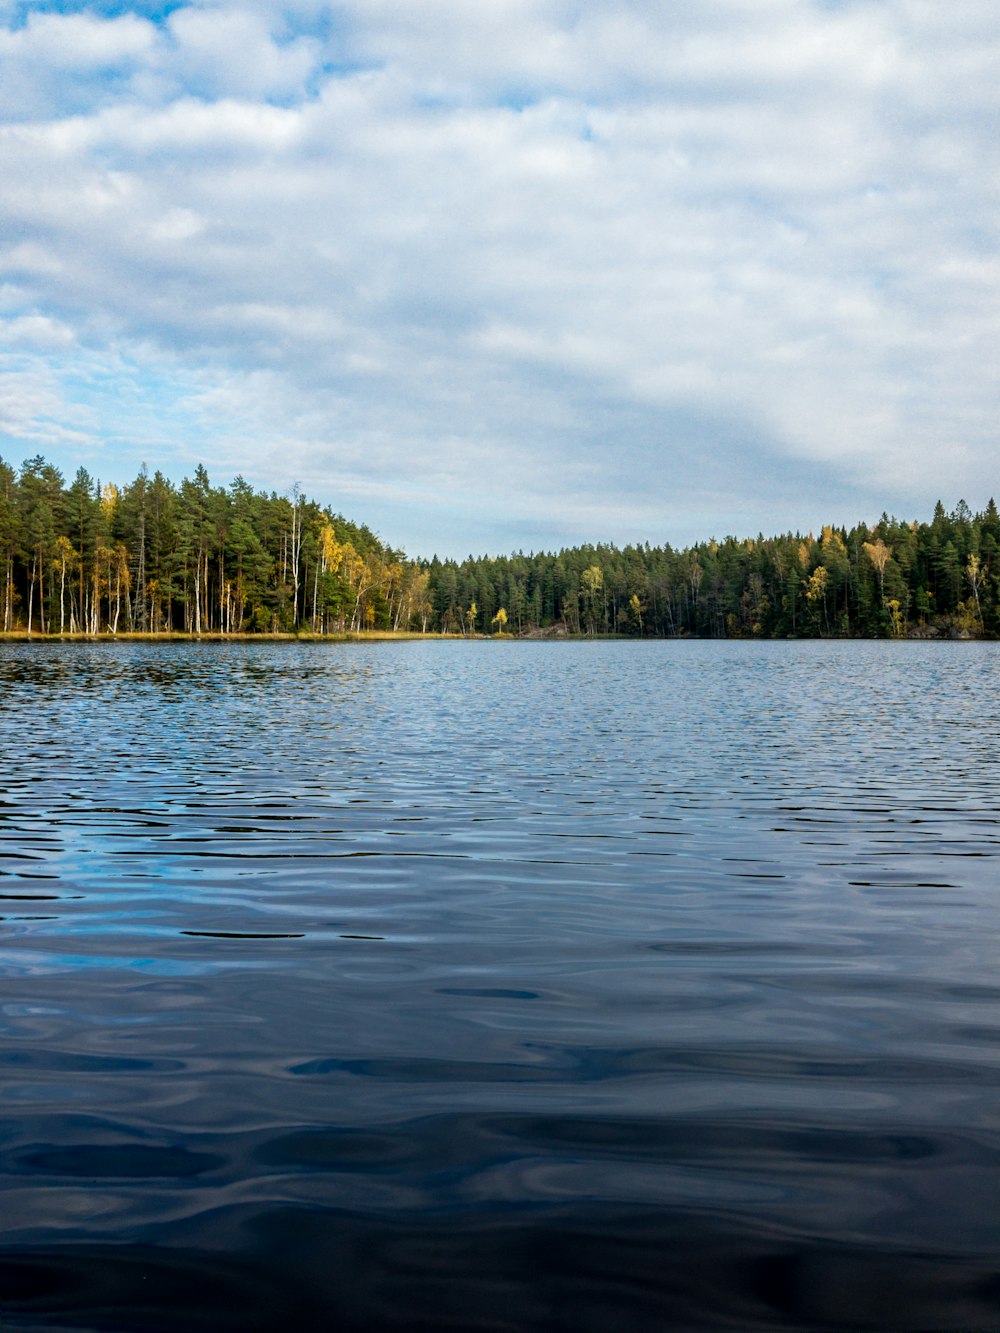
x,y
35,331
57,61
228,51
35,412
628,259
69,42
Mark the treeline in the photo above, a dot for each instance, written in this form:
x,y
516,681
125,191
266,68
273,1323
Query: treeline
x,y
155,557
152,557
893,579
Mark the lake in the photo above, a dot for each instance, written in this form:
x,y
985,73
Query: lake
x,y
500,986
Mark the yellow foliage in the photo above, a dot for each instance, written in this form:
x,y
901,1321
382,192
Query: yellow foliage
x,y
65,552
896,616
816,584
833,542
351,564
878,553
330,550
121,570
592,580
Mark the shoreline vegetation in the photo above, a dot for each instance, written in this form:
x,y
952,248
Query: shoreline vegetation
x,y
152,560
557,635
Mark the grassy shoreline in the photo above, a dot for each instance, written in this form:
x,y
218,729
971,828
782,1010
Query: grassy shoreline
x,y
401,636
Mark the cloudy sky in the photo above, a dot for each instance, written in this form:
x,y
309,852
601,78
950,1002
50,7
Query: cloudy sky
x,y
500,274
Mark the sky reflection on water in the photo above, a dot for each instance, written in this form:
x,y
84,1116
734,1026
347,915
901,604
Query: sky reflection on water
x,y
500,986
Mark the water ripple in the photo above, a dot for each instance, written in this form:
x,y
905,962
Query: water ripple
x,y
560,986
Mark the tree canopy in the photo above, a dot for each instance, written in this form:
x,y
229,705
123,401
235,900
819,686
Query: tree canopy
x,y
151,556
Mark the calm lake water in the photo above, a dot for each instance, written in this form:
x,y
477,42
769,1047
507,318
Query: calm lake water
x,y
500,986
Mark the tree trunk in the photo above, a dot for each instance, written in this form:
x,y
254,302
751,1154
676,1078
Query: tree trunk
x,y
197,595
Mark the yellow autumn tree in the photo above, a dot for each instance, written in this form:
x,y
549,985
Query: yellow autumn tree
x,y
328,556
815,589
109,501
880,555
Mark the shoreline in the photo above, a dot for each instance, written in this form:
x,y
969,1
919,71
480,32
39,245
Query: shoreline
x,y
400,636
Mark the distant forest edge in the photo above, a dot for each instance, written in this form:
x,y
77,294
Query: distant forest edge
x,y
153,557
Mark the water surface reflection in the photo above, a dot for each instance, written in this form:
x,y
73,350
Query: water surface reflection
x,y
499,986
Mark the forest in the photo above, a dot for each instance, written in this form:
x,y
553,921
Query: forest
x,y
154,557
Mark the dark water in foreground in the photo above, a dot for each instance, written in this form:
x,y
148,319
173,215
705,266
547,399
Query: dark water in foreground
x,y
500,986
